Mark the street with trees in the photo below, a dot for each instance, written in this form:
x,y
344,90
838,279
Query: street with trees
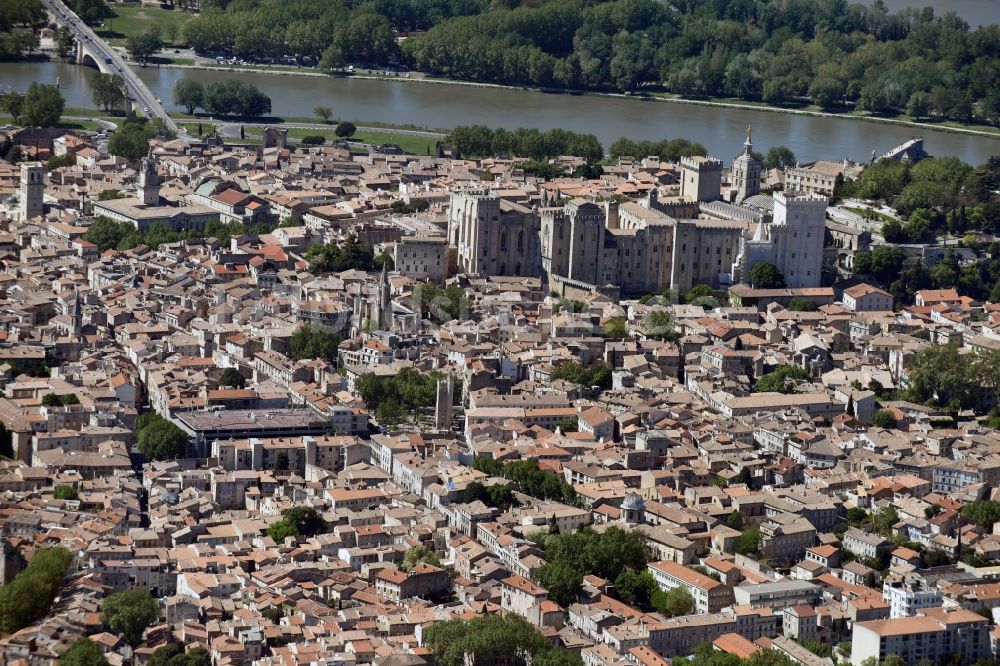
x,y
28,597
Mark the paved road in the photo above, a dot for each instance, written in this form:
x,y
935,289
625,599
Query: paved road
x,y
103,124
110,60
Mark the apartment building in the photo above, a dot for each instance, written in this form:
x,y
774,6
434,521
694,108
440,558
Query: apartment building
x,y
779,595
935,634
709,595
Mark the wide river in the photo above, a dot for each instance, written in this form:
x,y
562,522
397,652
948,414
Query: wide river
x,y
721,130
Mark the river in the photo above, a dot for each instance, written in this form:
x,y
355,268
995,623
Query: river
x,y
721,130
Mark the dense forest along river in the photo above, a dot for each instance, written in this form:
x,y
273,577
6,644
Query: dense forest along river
x,y
721,130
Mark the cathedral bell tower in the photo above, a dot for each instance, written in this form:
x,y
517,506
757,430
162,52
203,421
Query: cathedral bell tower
x,y
746,171
149,182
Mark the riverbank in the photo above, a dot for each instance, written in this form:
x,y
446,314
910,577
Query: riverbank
x,y
945,126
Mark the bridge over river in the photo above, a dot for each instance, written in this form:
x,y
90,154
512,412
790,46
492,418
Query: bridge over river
x,y
91,49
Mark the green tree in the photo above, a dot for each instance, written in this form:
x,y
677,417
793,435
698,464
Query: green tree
x,y
885,419
490,638
234,97
323,112
131,140
108,90
417,555
189,93
982,512
345,130
799,304
142,47
919,105
312,341
129,613
940,375
500,496
65,42
659,325
474,490
766,275
281,530
390,414
674,602
65,493
232,377
562,581
90,12
779,157
29,596
827,91
594,375
568,424
160,439
305,519
636,588
83,652
884,521
748,543
616,328
42,106
699,293
782,379
735,520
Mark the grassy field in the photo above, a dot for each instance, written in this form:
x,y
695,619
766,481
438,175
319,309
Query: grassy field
x,y
418,145
131,20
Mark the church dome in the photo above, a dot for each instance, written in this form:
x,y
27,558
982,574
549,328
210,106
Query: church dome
x,y
633,502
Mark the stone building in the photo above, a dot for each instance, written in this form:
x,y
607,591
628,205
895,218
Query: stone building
x,y
494,236
701,178
746,172
647,247
32,190
423,258
793,242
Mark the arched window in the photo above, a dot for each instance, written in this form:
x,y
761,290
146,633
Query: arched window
x,y
520,241
503,240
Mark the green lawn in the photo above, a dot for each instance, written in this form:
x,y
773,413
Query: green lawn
x,y
131,20
418,145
